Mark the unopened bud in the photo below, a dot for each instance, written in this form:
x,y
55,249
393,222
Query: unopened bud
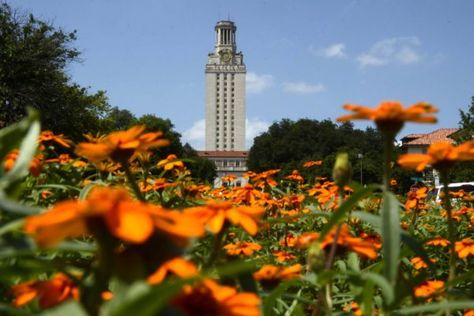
x,y
342,171
316,257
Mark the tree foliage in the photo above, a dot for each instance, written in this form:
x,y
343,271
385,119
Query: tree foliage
x,y
33,60
287,144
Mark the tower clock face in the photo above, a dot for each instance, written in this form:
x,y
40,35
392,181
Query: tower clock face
x,y
226,56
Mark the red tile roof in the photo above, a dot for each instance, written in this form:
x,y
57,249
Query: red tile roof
x,y
427,139
222,154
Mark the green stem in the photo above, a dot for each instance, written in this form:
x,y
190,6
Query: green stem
x,y
216,249
451,228
388,149
131,181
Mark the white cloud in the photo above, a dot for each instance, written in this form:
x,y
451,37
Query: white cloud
x,y
196,135
253,128
396,50
333,51
257,83
302,87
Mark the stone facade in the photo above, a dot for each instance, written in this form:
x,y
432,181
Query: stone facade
x,y
225,108
225,93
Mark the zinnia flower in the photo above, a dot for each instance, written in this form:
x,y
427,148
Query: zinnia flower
x,y
390,116
177,266
418,263
440,155
47,136
366,248
242,248
121,146
49,293
216,213
125,218
428,288
464,248
36,164
438,241
211,299
270,275
312,163
171,162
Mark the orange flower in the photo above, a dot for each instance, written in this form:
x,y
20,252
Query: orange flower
x,y
211,299
438,241
312,163
264,178
469,312
354,308
178,266
247,195
428,288
62,159
305,239
47,136
216,213
270,275
418,263
295,176
393,182
390,116
440,155
36,164
121,146
289,240
125,218
242,248
464,248
171,162
49,293
415,198
363,247
283,256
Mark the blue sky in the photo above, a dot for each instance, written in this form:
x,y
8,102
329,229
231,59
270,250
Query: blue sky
x,y
304,58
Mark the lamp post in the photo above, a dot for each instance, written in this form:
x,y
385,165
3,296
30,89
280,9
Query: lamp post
x,y
360,156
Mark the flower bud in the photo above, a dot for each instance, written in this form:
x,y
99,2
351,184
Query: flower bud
x,y
342,171
316,257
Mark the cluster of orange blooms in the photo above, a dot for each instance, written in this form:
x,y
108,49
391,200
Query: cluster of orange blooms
x,y
253,212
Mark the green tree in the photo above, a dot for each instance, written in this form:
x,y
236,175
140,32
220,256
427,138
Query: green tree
x,y
288,144
464,171
33,59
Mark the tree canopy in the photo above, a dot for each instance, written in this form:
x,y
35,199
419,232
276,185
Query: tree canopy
x,y
288,144
33,60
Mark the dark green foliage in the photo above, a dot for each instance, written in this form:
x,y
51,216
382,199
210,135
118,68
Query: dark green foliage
x,y
464,171
33,60
288,144
201,168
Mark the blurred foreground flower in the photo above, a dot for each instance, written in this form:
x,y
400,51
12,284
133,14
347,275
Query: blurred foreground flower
x,y
390,116
215,213
125,218
121,146
440,155
211,299
177,266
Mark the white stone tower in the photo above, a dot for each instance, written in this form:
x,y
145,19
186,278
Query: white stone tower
x,y
225,93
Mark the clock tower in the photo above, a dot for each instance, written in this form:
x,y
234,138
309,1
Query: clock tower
x,y
225,92
225,108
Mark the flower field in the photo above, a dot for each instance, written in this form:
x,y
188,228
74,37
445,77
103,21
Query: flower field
x,y
97,228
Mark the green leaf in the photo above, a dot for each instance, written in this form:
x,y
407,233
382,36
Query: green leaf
x,y
141,299
15,207
68,308
374,220
391,236
416,247
345,207
383,284
11,226
26,134
269,301
436,307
